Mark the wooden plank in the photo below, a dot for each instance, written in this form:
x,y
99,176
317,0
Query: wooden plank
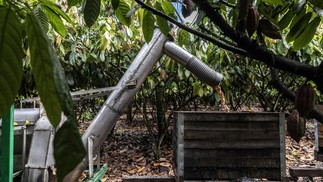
x,y
232,116
234,153
194,173
282,136
232,134
232,163
306,172
217,144
148,179
231,125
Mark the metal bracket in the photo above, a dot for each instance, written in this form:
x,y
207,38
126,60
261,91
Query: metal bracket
x,y
130,84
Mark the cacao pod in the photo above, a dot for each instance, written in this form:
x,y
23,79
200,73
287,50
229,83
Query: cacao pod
x,y
252,20
304,100
296,126
187,8
269,29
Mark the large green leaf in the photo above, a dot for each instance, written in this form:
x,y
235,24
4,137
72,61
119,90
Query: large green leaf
x,y
183,37
286,20
72,2
42,17
168,8
69,150
298,28
54,92
161,22
91,11
55,21
148,25
10,58
307,35
274,2
43,61
122,11
115,4
57,10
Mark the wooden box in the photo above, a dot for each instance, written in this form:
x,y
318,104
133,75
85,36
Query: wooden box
x,y
225,146
318,137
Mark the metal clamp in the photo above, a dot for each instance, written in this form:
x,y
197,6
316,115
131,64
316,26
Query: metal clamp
x,y
130,84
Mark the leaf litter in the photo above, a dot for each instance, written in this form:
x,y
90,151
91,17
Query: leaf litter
x,y
128,152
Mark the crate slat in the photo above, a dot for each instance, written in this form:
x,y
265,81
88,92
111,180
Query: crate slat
x,y
228,144
225,146
232,134
233,153
225,173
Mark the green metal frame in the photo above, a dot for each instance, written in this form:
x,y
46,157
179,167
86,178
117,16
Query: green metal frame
x,y
99,174
7,146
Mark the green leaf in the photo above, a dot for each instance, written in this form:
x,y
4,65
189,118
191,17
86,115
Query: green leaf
x,y
122,11
148,25
317,3
299,15
54,93
91,11
43,61
55,21
273,2
69,150
57,10
10,59
183,37
286,20
307,35
71,3
115,4
161,22
42,18
200,92
297,29
168,8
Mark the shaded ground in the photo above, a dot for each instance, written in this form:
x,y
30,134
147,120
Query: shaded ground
x,y
128,152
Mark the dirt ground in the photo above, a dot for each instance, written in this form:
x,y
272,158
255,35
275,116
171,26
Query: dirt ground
x,y
128,151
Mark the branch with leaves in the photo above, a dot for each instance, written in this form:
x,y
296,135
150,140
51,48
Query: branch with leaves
x,y
258,52
195,32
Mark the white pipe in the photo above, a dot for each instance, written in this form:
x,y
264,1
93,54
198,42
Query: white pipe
x,y
119,99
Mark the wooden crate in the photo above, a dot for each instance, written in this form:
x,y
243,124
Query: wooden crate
x,y
225,146
318,137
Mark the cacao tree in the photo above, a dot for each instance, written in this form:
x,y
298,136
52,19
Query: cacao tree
x,y
278,39
24,40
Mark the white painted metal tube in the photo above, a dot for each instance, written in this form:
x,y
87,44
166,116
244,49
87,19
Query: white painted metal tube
x,y
90,155
118,100
193,64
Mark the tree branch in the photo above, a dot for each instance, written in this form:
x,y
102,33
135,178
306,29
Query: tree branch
x,y
258,52
216,36
314,113
197,33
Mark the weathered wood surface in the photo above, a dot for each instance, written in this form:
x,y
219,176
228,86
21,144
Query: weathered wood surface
x,y
148,179
233,153
231,134
223,116
215,125
230,145
231,162
306,172
238,144
225,173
